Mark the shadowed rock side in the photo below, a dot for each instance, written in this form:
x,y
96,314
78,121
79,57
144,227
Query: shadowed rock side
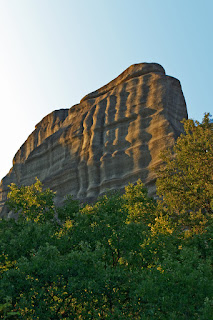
x,y
114,136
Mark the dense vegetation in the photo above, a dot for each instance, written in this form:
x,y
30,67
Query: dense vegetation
x,y
124,257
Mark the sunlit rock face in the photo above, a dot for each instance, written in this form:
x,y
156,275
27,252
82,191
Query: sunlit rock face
x,y
114,136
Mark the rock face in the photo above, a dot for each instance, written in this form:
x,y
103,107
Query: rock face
x,y
114,136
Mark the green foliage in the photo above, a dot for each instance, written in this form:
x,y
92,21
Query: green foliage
x,y
104,262
69,209
141,208
122,257
31,202
185,180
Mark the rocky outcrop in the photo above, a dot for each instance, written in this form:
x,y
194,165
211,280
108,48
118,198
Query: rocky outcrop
x,y
114,136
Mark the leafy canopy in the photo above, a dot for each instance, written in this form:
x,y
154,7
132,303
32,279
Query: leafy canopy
x,y
121,257
185,181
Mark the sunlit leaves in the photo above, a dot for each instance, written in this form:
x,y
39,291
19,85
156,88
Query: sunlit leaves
x,y
185,180
139,206
31,202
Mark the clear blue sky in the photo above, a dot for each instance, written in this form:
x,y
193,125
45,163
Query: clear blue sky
x,y
53,52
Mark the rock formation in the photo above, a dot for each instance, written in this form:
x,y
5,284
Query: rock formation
x,y
114,136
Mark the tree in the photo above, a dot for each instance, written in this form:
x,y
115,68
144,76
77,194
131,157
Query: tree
x,y
185,181
31,202
69,209
115,259
103,262
140,207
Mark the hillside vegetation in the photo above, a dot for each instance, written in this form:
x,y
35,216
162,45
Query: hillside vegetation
x,y
127,256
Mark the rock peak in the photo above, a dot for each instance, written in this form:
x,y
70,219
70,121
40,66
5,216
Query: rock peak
x,y
135,70
113,137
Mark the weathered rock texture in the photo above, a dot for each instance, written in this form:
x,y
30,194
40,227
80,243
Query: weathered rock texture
x,y
114,136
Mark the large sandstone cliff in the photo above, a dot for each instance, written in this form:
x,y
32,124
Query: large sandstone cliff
x,y
114,136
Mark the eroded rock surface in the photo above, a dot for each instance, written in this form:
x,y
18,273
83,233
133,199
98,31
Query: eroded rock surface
x,y
114,136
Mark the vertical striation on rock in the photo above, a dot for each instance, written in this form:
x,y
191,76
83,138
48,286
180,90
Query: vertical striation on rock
x,y
114,136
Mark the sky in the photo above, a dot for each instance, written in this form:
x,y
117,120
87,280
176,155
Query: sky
x,y
54,52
